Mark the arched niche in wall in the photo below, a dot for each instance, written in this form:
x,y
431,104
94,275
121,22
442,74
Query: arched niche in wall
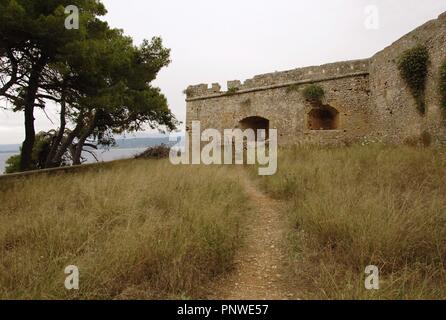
x,y
255,123
323,117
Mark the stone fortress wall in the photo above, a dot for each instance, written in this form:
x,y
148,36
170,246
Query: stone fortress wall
x,y
368,98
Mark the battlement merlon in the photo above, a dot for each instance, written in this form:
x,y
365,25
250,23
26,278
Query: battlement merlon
x,y
312,73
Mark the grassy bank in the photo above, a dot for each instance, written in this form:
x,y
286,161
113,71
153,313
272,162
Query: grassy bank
x,y
136,229
353,207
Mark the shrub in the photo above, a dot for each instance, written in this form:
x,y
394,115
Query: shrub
x,y
232,90
13,164
313,93
442,84
413,67
40,151
157,152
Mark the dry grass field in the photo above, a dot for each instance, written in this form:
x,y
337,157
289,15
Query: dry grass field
x,y
144,229
136,229
352,207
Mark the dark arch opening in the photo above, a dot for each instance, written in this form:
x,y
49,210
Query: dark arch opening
x,y
255,123
323,118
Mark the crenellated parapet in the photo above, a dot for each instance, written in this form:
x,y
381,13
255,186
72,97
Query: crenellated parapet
x,y
283,78
202,90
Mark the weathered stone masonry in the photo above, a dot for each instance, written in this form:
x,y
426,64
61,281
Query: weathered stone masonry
x,y
366,99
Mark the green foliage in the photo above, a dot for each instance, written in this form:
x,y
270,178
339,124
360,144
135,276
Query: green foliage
x,y
413,67
442,84
232,91
161,151
100,79
13,164
34,38
40,151
314,93
113,76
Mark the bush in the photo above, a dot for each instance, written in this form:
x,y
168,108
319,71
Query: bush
x,y
442,84
314,93
157,152
13,164
40,151
413,67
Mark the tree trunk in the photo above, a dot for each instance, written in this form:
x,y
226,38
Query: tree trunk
x,y
58,139
30,98
80,145
78,151
68,142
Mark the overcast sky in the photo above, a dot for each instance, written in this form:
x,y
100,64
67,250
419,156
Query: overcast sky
x,y
216,41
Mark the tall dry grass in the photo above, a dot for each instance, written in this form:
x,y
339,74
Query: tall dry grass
x,y
358,206
137,229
